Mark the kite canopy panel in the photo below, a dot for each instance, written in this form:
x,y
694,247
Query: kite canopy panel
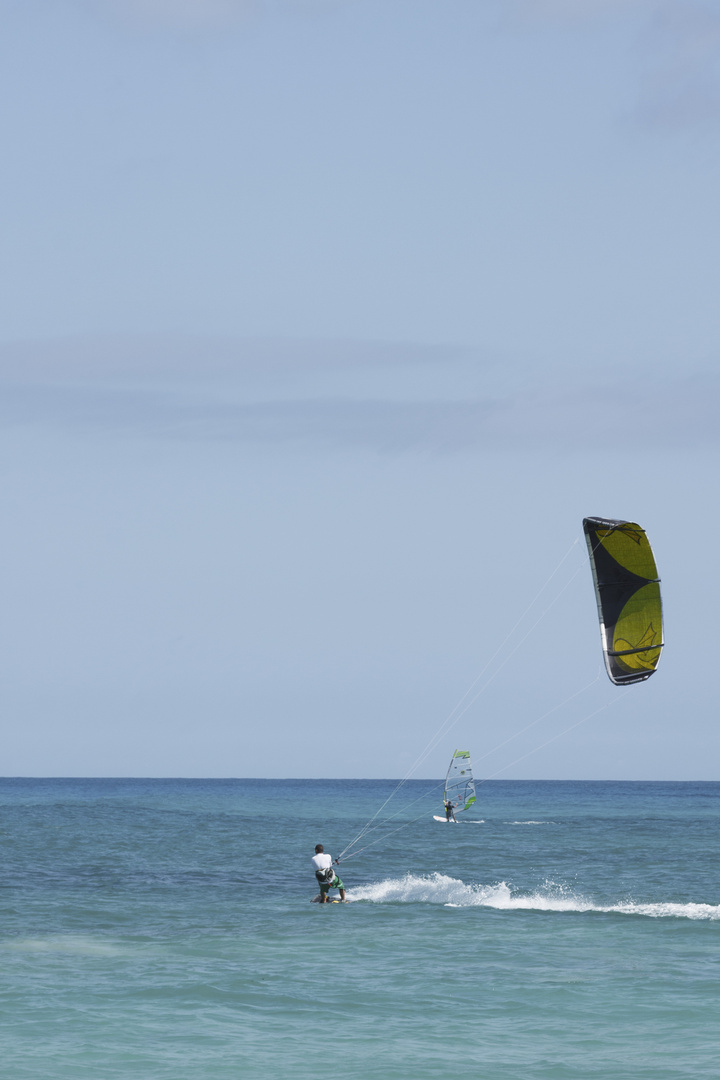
x,y
627,588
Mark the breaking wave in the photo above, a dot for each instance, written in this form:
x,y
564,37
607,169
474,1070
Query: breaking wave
x,y
450,892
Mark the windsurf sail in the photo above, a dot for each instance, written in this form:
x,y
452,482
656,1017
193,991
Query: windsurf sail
x,y
627,589
459,783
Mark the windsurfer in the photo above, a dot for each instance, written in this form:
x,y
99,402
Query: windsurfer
x,y
326,876
449,812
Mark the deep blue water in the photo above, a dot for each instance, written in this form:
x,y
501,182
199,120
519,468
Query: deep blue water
x,y
162,928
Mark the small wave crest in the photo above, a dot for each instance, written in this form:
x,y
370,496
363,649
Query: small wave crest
x,y
529,822
451,892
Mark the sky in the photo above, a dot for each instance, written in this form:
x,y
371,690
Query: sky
x,y
323,325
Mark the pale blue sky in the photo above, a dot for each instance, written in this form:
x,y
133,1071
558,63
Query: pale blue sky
x,y
323,324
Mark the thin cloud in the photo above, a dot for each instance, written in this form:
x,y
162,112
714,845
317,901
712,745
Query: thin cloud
x,y
183,14
682,87
676,47
528,13
201,15
145,358
540,412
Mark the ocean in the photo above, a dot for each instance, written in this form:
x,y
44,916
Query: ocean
x,y
163,929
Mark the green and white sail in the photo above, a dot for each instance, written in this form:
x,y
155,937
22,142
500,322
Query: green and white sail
x,y
459,783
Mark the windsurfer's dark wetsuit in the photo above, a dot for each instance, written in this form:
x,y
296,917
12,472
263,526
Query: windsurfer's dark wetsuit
x,y
449,811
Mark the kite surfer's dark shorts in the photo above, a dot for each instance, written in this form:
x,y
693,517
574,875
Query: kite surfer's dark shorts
x,y
336,883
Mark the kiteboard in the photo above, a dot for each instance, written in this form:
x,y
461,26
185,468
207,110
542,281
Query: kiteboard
x,y
449,821
318,900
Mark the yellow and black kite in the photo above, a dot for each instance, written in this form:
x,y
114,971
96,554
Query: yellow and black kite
x,y
627,588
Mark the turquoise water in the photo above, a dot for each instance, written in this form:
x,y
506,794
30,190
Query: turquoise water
x,y
161,928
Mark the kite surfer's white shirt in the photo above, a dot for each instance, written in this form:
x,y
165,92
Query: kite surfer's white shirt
x,y
323,861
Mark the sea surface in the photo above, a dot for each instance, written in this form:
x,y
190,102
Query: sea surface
x,y
163,929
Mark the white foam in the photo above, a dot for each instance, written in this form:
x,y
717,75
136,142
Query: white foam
x,y
451,892
529,822
677,911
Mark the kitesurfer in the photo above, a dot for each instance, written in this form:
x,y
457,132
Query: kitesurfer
x,y
326,876
449,812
